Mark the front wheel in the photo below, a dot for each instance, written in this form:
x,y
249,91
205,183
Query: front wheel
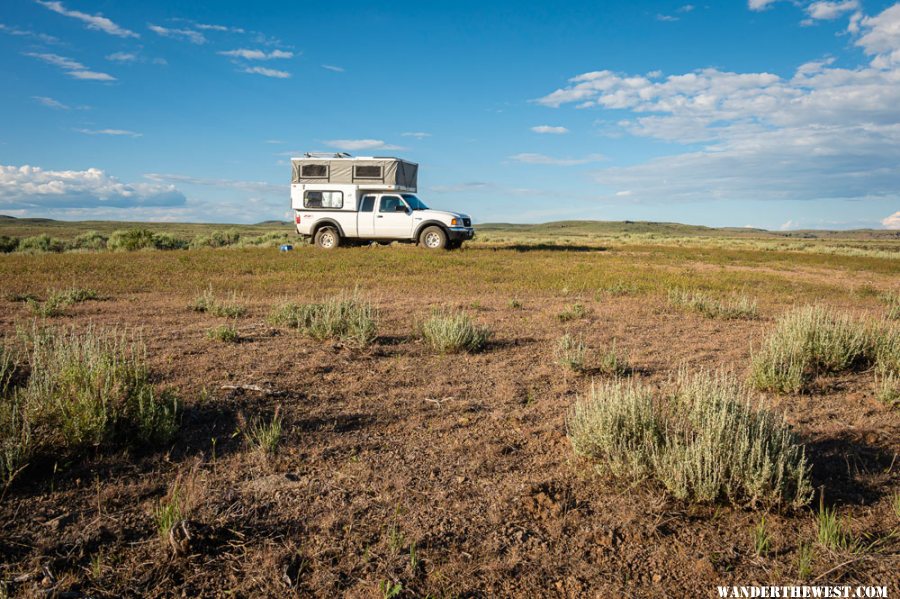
x,y
433,238
327,238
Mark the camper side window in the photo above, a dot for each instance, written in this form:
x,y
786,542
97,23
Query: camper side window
x,y
314,171
323,199
367,172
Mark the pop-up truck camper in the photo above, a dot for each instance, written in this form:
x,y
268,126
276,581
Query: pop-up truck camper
x,y
340,199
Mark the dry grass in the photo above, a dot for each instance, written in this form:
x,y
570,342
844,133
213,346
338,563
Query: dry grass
x,y
347,317
84,389
704,442
453,332
208,302
815,340
736,307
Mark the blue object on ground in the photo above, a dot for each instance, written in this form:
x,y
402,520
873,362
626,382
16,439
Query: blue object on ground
x,y
286,247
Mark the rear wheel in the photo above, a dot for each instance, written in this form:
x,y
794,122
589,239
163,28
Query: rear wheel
x,y
433,238
328,238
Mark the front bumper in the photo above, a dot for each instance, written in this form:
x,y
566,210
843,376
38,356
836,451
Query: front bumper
x,y
461,233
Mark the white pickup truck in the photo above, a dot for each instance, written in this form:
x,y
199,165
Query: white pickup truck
x,y
339,199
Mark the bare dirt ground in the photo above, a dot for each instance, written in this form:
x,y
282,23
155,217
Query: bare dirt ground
x,y
450,476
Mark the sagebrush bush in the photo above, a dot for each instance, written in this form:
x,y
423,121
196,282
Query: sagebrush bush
x,y
8,244
703,441
737,307
216,239
91,240
58,300
452,332
611,363
570,352
41,243
887,389
814,340
130,240
226,333
84,389
347,317
208,302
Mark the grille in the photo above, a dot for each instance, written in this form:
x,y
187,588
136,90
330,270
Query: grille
x,y
467,222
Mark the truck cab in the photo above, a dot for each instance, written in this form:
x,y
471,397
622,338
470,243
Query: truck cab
x,y
369,199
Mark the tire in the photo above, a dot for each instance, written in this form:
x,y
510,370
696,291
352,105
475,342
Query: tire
x,y
433,238
327,238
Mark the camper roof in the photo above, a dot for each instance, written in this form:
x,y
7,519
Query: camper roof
x,y
320,168
327,156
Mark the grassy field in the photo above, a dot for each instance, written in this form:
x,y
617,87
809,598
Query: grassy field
x,y
570,409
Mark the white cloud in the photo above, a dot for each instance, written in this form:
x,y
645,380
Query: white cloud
x,y
73,68
267,72
122,57
43,37
416,134
96,22
195,37
113,132
50,103
826,11
356,145
211,27
666,18
892,221
760,4
824,133
549,129
686,8
533,158
331,67
31,189
256,54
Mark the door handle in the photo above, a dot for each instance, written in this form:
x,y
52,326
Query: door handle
x,y
379,216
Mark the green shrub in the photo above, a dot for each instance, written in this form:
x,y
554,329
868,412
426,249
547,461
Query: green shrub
x,y
216,239
577,310
887,389
737,307
264,436
447,332
208,302
705,443
812,340
41,243
167,241
611,363
570,352
91,240
8,244
57,301
83,390
130,240
348,318
226,333
273,239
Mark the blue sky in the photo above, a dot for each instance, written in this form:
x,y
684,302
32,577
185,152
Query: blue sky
x,y
765,113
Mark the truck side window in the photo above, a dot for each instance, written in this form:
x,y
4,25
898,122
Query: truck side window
x,y
368,203
323,199
389,204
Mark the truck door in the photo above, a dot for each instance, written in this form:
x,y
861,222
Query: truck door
x,y
365,220
394,218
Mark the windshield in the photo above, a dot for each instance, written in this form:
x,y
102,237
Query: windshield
x,y
414,202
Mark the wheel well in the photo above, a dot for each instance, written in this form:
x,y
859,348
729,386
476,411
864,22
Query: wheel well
x,y
327,223
432,223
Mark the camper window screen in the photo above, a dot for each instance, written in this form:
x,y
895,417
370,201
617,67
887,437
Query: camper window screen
x,y
323,199
314,171
367,172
